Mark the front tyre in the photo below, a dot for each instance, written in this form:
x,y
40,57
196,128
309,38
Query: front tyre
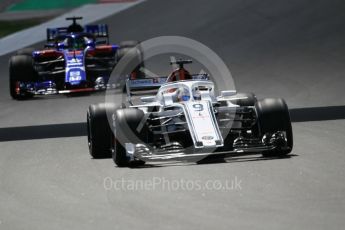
x,y
273,116
127,122
26,51
21,71
99,133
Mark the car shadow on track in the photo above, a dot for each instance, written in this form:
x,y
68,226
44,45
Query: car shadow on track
x,y
72,95
63,96
236,159
42,131
317,113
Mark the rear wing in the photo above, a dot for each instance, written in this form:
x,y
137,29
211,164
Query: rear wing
x,y
98,31
144,84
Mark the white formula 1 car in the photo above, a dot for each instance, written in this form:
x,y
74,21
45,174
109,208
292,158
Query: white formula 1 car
x,y
187,120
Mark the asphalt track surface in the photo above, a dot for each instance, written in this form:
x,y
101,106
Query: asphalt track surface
x,y
290,49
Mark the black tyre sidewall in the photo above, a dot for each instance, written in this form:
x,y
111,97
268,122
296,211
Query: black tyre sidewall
x,y
99,130
21,70
129,43
126,123
273,116
26,51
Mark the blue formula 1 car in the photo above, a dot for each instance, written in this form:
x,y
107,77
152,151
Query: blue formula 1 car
x,y
75,59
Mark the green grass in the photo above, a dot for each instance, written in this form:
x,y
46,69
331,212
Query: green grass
x,y
9,27
48,4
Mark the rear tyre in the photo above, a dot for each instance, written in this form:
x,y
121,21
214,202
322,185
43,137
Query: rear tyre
x,y
127,121
126,46
129,43
99,133
26,51
273,116
133,53
21,71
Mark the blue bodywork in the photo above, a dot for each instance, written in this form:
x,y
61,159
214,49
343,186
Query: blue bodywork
x,y
70,56
75,67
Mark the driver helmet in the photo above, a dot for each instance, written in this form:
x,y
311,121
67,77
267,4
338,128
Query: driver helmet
x,y
197,94
79,43
183,94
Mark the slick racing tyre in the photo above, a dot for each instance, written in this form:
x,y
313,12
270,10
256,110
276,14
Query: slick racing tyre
x,y
99,133
273,116
21,71
126,46
129,44
134,59
132,50
127,122
26,51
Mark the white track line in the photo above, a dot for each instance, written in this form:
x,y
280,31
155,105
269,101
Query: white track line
x,y
90,13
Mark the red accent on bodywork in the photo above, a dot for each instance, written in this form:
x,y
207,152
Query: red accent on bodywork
x,y
133,75
99,50
76,52
178,75
104,49
91,53
50,53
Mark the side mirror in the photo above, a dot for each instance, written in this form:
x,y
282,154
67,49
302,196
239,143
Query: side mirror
x,y
61,46
90,43
148,99
228,93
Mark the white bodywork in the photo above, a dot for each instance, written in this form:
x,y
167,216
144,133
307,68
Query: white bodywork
x,y
193,107
195,99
